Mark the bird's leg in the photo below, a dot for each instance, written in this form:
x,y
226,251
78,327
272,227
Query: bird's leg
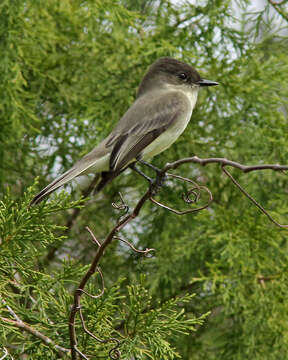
x,y
160,176
133,167
157,170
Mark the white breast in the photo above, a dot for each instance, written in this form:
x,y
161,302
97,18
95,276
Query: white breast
x,y
167,138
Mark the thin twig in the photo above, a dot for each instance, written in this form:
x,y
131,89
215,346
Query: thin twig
x,y
151,191
62,352
16,317
252,199
145,252
93,236
78,292
102,290
20,324
114,353
223,161
244,168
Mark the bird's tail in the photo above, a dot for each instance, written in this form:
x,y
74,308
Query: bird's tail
x,y
95,161
106,178
54,185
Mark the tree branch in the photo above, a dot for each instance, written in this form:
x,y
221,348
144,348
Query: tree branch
x,y
244,168
62,352
154,187
225,162
78,292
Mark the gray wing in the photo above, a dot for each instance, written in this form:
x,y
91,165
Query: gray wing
x,y
142,124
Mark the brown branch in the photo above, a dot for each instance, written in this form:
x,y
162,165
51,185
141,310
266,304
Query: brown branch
x,y
145,252
152,190
244,168
260,207
196,191
78,292
225,162
62,352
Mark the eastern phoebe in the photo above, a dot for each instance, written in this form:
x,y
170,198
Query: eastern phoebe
x,y
164,103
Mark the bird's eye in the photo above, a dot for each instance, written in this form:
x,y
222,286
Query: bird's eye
x,y
182,76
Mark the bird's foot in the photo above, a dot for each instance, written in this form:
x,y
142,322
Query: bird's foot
x,y
156,183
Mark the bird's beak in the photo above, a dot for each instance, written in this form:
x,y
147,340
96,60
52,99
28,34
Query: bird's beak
x,y
204,82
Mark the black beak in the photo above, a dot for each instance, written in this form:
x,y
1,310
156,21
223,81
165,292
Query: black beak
x,y
204,82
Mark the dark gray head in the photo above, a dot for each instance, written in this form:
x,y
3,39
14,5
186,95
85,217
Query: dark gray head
x,y
170,71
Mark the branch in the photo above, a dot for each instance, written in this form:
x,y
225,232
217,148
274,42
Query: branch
x,y
195,191
154,187
76,307
244,168
62,352
225,162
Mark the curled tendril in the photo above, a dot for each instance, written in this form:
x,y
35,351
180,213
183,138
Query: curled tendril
x,y
195,192
121,206
196,195
102,287
145,252
115,353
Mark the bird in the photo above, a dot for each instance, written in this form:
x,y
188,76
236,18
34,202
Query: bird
x,y
160,113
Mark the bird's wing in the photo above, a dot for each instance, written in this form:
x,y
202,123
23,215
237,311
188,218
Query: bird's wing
x,y
143,122
141,125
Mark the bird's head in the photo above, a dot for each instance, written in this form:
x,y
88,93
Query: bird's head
x,y
167,71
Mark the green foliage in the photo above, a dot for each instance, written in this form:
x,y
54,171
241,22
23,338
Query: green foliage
x,y
148,329
144,331
69,70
